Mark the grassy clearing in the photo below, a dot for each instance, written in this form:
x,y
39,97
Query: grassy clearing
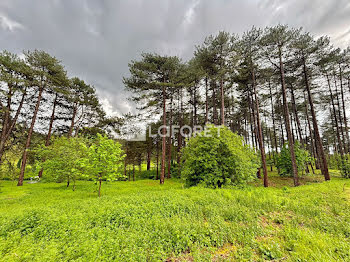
x,y
143,221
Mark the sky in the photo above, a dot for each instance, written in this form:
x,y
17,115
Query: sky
x,y
95,40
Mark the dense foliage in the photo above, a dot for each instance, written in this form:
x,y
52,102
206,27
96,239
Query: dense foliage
x,y
217,157
62,159
103,161
284,163
344,163
75,158
261,84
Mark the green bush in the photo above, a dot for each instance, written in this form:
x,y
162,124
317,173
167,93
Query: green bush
x,y
344,165
146,174
61,160
334,161
217,157
284,162
69,159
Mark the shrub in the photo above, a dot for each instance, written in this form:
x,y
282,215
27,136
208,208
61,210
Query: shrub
x,y
146,174
344,165
334,161
62,159
72,158
284,162
217,157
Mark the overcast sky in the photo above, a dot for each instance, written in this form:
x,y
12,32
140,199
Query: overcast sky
x,y
96,40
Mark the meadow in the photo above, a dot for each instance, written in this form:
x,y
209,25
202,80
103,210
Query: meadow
x,y
145,221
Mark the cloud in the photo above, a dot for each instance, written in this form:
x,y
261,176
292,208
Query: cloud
x,y
97,39
8,24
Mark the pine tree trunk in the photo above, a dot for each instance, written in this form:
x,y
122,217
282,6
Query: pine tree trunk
x,y
162,175
129,174
206,101
195,104
179,136
259,131
297,120
170,143
340,120
281,115
5,122
70,132
273,123
125,166
48,136
215,113
222,102
148,160
319,145
254,128
347,142
29,137
341,151
157,177
250,113
291,125
312,142
287,121
6,132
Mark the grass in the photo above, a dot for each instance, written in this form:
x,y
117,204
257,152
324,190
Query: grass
x,y
143,221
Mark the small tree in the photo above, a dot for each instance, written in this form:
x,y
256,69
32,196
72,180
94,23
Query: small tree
x,y
62,159
104,159
216,157
284,162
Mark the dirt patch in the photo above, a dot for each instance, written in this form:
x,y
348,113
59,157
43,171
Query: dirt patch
x,y
224,252
275,219
186,256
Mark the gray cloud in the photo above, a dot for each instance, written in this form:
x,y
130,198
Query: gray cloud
x,y
97,39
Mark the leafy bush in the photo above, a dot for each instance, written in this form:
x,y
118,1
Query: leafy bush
x,y
8,170
62,159
344,165
72,158
334,161
146,174
284,162
217,157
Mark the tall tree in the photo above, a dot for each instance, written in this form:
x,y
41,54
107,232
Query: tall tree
x,y
250,46
58,90
13,92
45,70
276,40
150,81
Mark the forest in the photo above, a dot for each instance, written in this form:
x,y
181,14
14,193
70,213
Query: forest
x,y
246,155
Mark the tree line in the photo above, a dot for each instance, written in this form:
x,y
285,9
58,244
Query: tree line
x,y
37,100
275,86
280,88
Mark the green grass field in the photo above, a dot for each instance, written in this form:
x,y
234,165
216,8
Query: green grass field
x,y
143,221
